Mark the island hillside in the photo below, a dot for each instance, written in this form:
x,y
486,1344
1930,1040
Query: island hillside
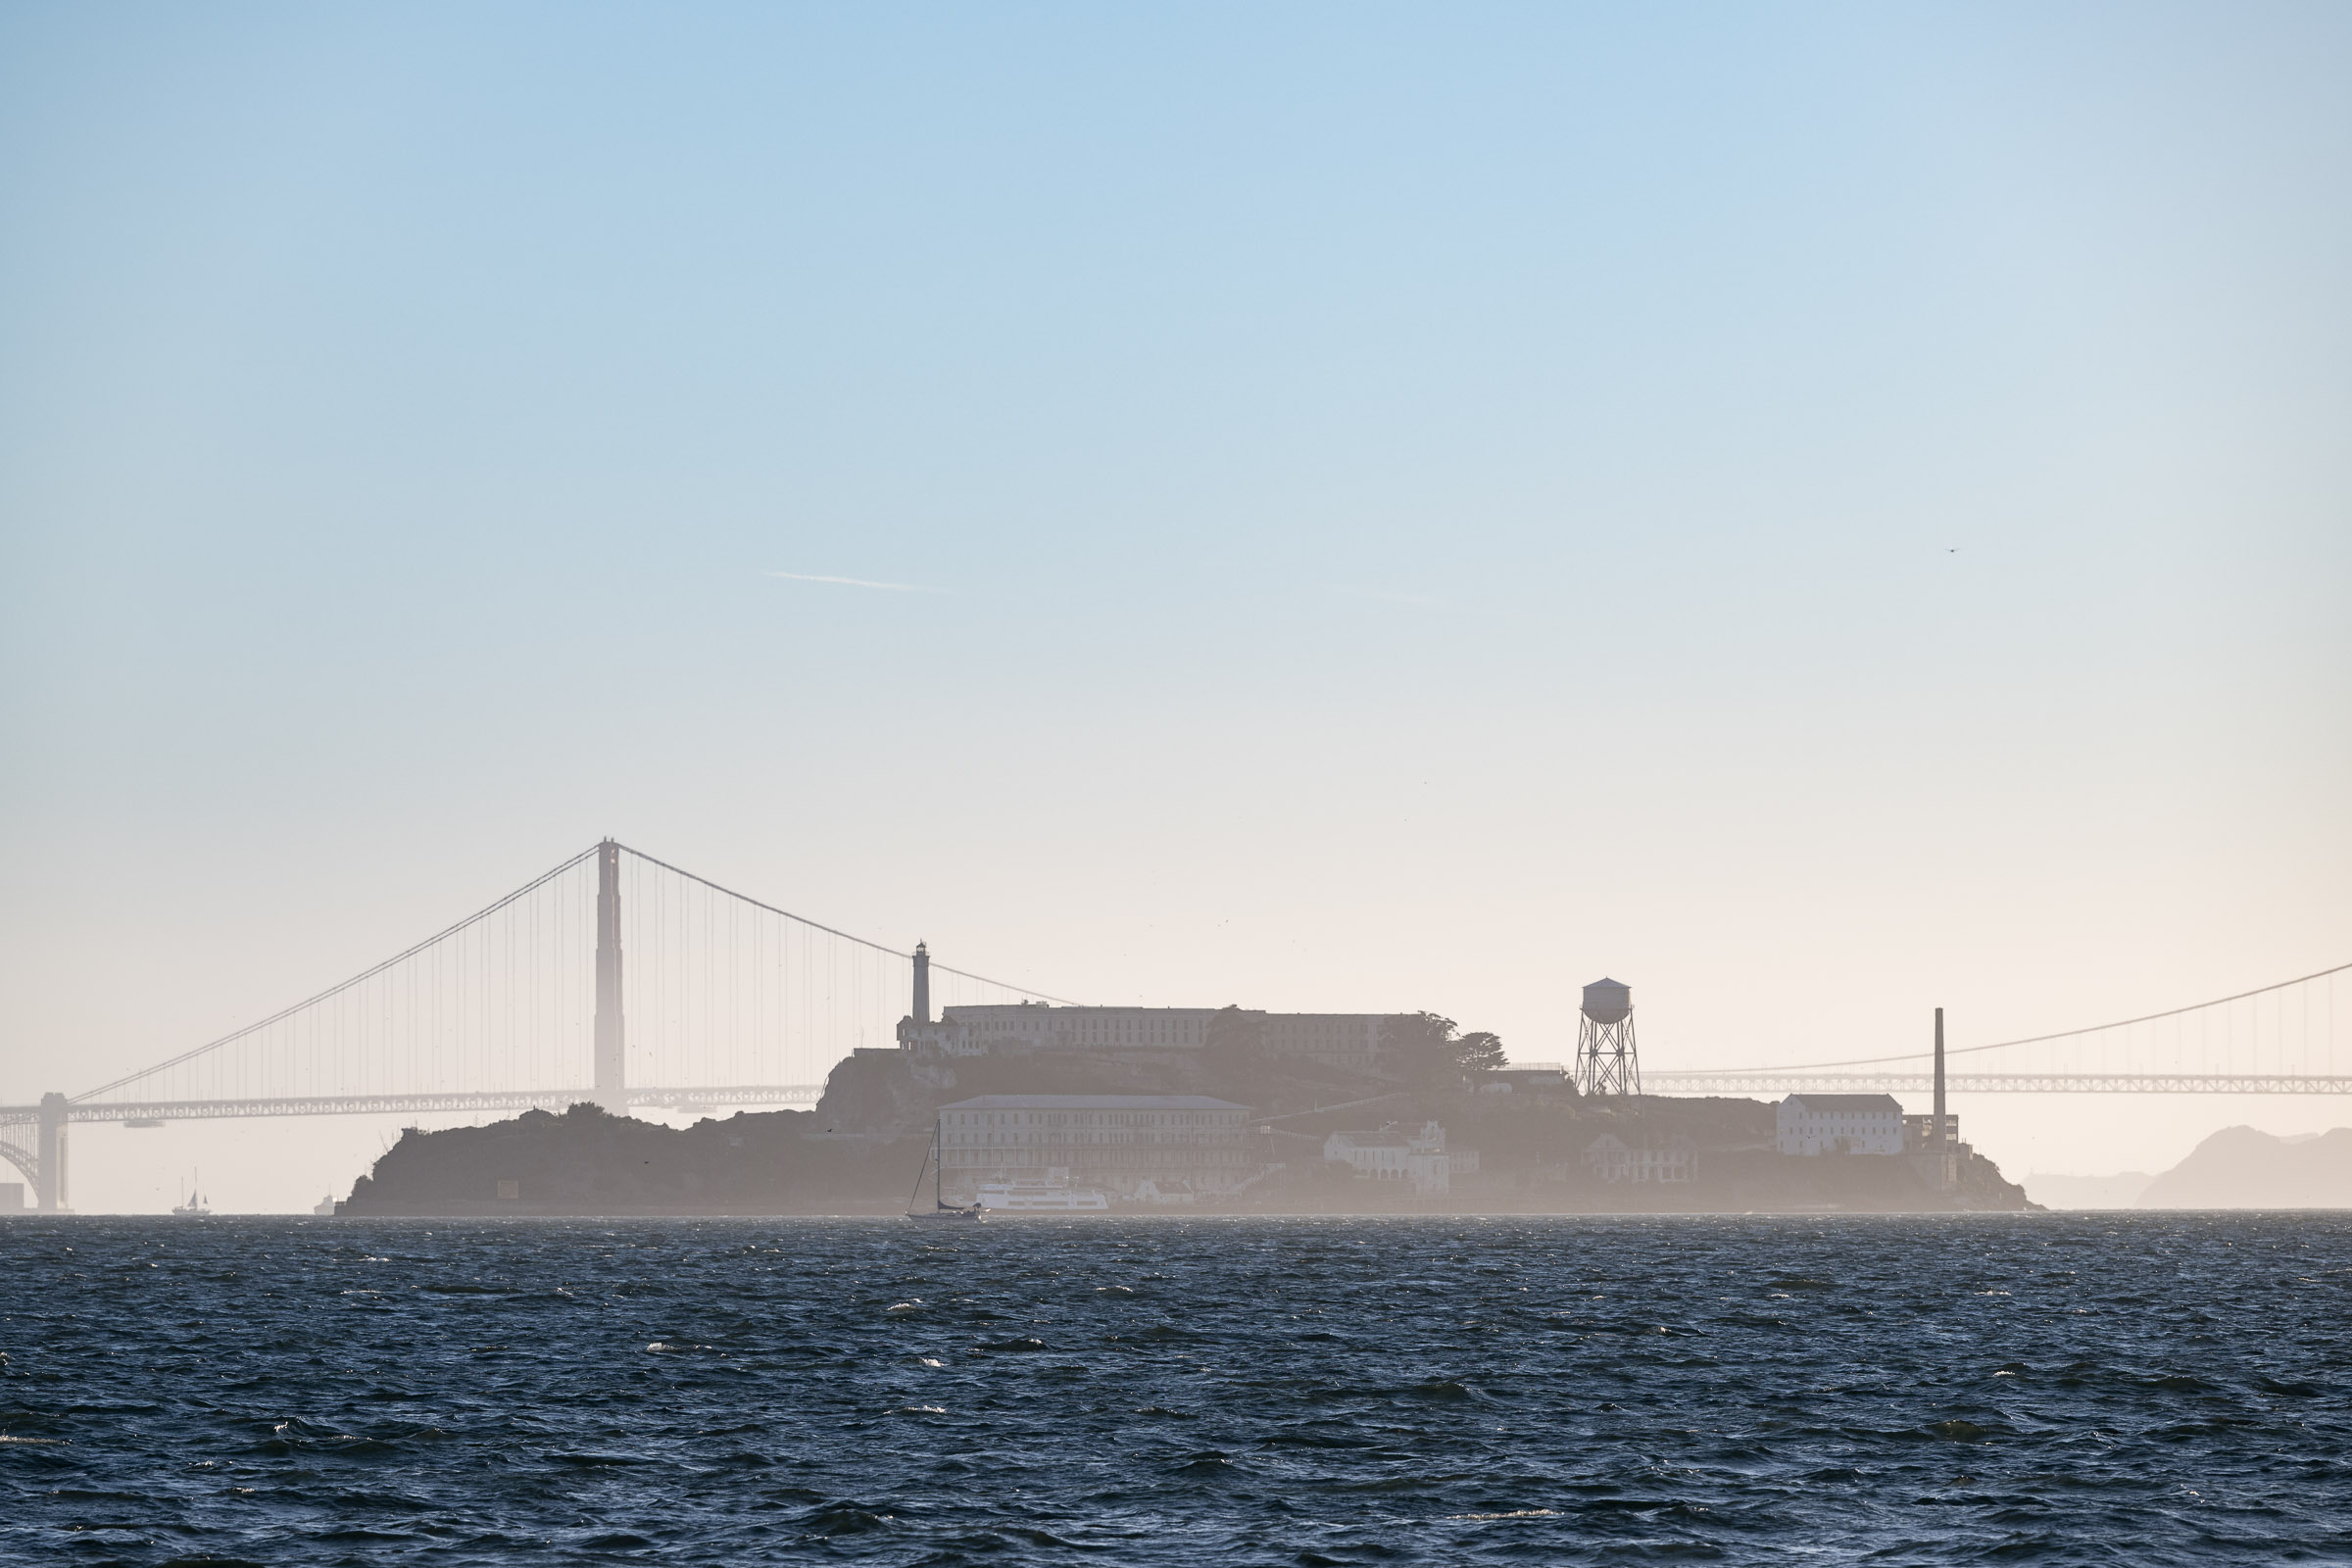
x,y
858,1152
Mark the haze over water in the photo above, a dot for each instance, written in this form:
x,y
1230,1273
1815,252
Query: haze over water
x,y
2140,1390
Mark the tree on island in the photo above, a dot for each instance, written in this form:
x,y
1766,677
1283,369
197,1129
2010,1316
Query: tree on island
x,y
1418,1049
1423,1050
1235,1050
1478,1052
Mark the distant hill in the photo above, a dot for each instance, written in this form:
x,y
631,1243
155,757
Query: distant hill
x,y
2240,1167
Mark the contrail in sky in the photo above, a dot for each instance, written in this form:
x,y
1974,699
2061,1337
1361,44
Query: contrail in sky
x,y
857,582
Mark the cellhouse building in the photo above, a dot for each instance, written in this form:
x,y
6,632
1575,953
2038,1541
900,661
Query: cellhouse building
x,y
1335,1039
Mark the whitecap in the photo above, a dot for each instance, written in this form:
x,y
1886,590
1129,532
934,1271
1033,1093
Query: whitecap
x,y
1515,1514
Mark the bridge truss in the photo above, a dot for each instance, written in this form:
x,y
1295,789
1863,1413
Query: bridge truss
x,y
1994,1083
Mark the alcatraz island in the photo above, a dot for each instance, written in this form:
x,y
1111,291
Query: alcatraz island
x,y
1038,1108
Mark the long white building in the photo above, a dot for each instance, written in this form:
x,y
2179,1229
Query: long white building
x,y
1337,1039
1187,1143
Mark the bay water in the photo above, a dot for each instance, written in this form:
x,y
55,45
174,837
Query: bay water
x,y
2137,1389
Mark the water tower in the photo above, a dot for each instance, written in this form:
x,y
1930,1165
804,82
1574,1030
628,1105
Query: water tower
x,y
1607,1062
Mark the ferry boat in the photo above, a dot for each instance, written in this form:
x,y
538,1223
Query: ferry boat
x,y
1052,1194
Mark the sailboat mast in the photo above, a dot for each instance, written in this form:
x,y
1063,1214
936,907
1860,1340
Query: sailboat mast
x,y
917,1193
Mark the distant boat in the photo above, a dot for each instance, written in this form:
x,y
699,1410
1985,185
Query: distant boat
x,y
325,1205
191,1206
940,1210
1051,1194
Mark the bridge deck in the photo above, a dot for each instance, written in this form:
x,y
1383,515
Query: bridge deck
x,y
1994,1083
390,1104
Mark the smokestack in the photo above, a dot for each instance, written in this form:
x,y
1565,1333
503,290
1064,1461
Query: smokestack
x,y
922,984
1940,1140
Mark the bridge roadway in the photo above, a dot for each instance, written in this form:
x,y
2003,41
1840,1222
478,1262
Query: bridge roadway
x,y
1691,1081
1699,1082
161,1111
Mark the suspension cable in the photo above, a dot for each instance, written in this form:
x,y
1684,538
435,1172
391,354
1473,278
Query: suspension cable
x,y
230,1039
2036,1040
845,936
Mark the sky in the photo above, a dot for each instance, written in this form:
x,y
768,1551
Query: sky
x,y
1818,511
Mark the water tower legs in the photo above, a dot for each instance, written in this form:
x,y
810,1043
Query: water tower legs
x,y
1607,1060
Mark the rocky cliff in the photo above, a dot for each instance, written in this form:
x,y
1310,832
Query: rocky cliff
x,y
586,1162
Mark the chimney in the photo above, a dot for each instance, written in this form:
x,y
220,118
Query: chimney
x,y
922,1005
1939,1080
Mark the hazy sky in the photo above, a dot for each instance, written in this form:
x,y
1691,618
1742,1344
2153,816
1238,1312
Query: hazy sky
x,y
1815,511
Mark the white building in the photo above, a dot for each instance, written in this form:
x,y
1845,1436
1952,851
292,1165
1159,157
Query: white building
x,y
1841,1124
1118,1142
1673,1158
1392,1155
1335,1039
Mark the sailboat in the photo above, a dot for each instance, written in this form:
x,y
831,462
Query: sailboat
x,y
940,1208
193,1208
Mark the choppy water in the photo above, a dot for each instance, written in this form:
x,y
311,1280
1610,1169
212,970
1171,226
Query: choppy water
x,y
2060,1387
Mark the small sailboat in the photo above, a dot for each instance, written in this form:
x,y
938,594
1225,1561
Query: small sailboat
x,y
191,1205
940,1210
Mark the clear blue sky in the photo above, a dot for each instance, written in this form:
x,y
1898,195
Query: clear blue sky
x,y
1816,510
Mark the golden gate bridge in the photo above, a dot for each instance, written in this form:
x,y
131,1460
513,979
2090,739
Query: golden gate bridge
x,y
725,1000
526,1003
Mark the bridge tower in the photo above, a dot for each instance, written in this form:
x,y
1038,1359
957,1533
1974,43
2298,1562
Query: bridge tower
x,y
612,1039
49,1177
1607,1060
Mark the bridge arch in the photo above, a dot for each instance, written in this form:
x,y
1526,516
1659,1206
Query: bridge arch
x,y
25,1159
